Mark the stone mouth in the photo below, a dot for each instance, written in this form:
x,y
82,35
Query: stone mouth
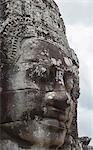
x,y
50,117
50,123
30,131
53,124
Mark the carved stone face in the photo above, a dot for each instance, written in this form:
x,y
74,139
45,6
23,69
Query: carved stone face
x,y
38,105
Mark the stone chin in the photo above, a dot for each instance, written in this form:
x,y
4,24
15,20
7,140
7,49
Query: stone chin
x,y
39,106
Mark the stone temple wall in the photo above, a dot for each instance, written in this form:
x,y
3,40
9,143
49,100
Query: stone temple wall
x,y
31,22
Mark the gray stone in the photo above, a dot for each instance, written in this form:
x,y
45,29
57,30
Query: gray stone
x,y
39,79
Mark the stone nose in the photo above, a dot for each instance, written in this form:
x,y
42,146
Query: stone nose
x,y
58,99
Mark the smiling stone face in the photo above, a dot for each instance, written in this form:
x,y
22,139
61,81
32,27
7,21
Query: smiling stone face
x,y
40,105
39,77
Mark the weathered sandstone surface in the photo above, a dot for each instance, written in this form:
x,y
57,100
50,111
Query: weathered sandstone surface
x,y
39,79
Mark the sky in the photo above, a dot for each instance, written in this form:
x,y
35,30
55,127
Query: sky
x,y
78,18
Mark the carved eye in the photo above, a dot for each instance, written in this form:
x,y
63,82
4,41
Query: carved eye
x,y
37,73
29,73
43,74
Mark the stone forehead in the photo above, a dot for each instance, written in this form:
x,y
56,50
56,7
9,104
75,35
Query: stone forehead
x,y
42,47
45,48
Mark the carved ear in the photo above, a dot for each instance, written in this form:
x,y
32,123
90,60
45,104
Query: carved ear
x,y
52,73
68,81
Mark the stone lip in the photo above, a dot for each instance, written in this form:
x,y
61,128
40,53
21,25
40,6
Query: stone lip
x,y
35,131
